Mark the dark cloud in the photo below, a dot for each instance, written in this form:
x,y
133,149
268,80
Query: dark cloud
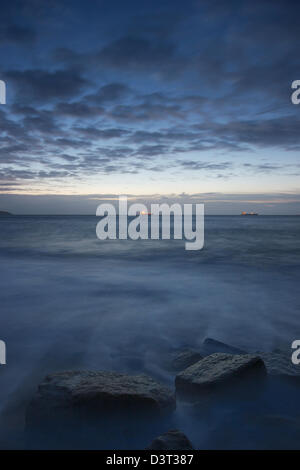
x,y
160,25
78,110
41,86
138,53
43,122
281,132
110,92
13,33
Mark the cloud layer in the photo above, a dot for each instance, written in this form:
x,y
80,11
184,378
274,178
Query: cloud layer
x,y
161,91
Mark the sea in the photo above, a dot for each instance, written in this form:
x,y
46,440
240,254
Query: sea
x,y
71,301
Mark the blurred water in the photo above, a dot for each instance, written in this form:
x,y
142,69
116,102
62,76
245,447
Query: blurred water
x,y
69,300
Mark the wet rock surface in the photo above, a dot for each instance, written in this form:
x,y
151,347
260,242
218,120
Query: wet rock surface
x,y
218,370
171,440
95,400
108,410
101,389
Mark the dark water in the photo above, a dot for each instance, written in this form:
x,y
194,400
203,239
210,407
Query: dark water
x,y
69,300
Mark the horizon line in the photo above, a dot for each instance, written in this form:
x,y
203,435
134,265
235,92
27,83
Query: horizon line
x,y
94,215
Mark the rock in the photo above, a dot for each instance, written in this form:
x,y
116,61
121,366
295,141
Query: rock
x,y
279,363
211,346
171,440
183,359
217,370
100,391
117,403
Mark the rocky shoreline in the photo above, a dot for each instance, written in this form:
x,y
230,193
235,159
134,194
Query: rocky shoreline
x,y
105,409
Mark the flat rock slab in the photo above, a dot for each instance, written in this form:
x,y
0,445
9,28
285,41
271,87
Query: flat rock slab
x,y
171,440
86,394
211,346
217,370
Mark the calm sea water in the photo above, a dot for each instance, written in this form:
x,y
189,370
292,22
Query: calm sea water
x,y
69,300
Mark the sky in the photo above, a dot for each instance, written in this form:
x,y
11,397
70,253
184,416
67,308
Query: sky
x,y
159,100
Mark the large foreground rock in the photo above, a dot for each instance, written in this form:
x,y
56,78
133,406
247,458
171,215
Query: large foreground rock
x,y
171,440
108,402
219,370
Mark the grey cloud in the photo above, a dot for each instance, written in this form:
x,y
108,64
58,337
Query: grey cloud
x,y
265,167
146,112
65,142
151,150
196,165
281,132
110,92
95,133
78,110
41,86
43,122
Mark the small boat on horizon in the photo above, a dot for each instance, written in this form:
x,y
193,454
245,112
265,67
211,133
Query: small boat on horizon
x,y
249,213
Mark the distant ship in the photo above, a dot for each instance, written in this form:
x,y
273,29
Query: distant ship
x,y
4,213
249,213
